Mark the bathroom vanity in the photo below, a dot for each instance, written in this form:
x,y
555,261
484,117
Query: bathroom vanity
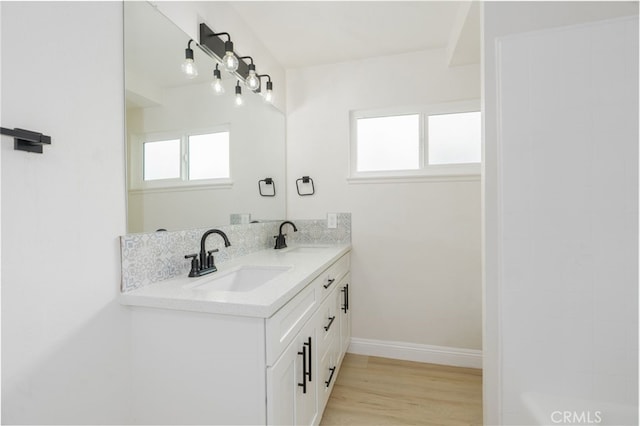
x,y
258,342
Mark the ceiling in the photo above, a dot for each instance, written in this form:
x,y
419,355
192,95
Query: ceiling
x,y
307,33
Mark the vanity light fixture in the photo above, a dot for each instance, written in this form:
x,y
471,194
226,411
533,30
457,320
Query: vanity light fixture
x,y
252,81
216,85
188,66
268,94
238,94
222,51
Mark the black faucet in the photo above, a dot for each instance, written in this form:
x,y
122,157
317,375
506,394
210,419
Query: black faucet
x,y
280,240
205,265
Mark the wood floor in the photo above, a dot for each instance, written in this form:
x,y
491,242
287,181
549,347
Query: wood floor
x,y
381,391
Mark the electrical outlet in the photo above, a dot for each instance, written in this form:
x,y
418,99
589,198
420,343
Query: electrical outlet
x,y
332,220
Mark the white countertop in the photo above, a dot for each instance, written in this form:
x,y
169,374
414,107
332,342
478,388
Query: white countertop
x,y
182,293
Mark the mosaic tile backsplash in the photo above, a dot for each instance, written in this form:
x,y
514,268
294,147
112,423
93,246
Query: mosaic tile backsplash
x,y
157,256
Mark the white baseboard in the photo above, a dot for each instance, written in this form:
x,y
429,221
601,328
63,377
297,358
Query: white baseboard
x,y
457,357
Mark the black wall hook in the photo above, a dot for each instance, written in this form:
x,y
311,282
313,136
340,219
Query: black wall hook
x,y
263,183
26,140
305,180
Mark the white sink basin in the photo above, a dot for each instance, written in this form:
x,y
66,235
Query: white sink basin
x,y
241,279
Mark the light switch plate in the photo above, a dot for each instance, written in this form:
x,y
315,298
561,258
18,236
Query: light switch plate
x,y
332,220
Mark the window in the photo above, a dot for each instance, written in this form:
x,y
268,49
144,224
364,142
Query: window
x,y
162,160
454,138
182,160
375,152
209,156
433,141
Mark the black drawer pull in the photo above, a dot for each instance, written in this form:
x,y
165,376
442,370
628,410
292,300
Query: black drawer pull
x,y
345,306
328,382
329,282
328,326
304,369
308,343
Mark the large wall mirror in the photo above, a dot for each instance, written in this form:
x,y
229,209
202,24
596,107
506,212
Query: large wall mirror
x,y
178,127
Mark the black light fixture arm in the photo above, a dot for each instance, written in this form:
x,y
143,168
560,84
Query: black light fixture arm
x,y
219,34
246,57
269,83
188,52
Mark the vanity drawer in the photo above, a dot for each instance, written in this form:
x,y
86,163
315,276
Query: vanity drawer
x,y
330,277
285,324
328,366
328,322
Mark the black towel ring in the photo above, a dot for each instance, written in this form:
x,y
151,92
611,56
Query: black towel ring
x,y
266,181
305,180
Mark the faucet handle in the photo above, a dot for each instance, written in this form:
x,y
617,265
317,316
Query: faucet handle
x,y
195,264
210,262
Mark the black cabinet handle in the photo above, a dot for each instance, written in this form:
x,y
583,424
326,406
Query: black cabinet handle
x,y
304,369
329,282
328,382
308,373
328,326
347,293
345,306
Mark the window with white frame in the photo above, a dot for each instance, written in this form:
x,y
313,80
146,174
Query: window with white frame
x,y
161,159
172,160
420,142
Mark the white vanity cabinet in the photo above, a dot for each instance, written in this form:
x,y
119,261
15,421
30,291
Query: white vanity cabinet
x,y
300,380
209,368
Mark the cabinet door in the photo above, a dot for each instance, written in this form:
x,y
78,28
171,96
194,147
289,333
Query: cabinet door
x,y
291,383
281,388
345,314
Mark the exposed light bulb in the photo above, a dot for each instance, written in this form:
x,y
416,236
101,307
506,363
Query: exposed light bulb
x,y
252,81
230,61
268,96
216,85
188,66
238,94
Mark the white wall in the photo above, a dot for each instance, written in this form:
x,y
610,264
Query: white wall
x,y
65,338
561,206
416,246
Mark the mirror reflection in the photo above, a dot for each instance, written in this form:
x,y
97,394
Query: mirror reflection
x,y
194,157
